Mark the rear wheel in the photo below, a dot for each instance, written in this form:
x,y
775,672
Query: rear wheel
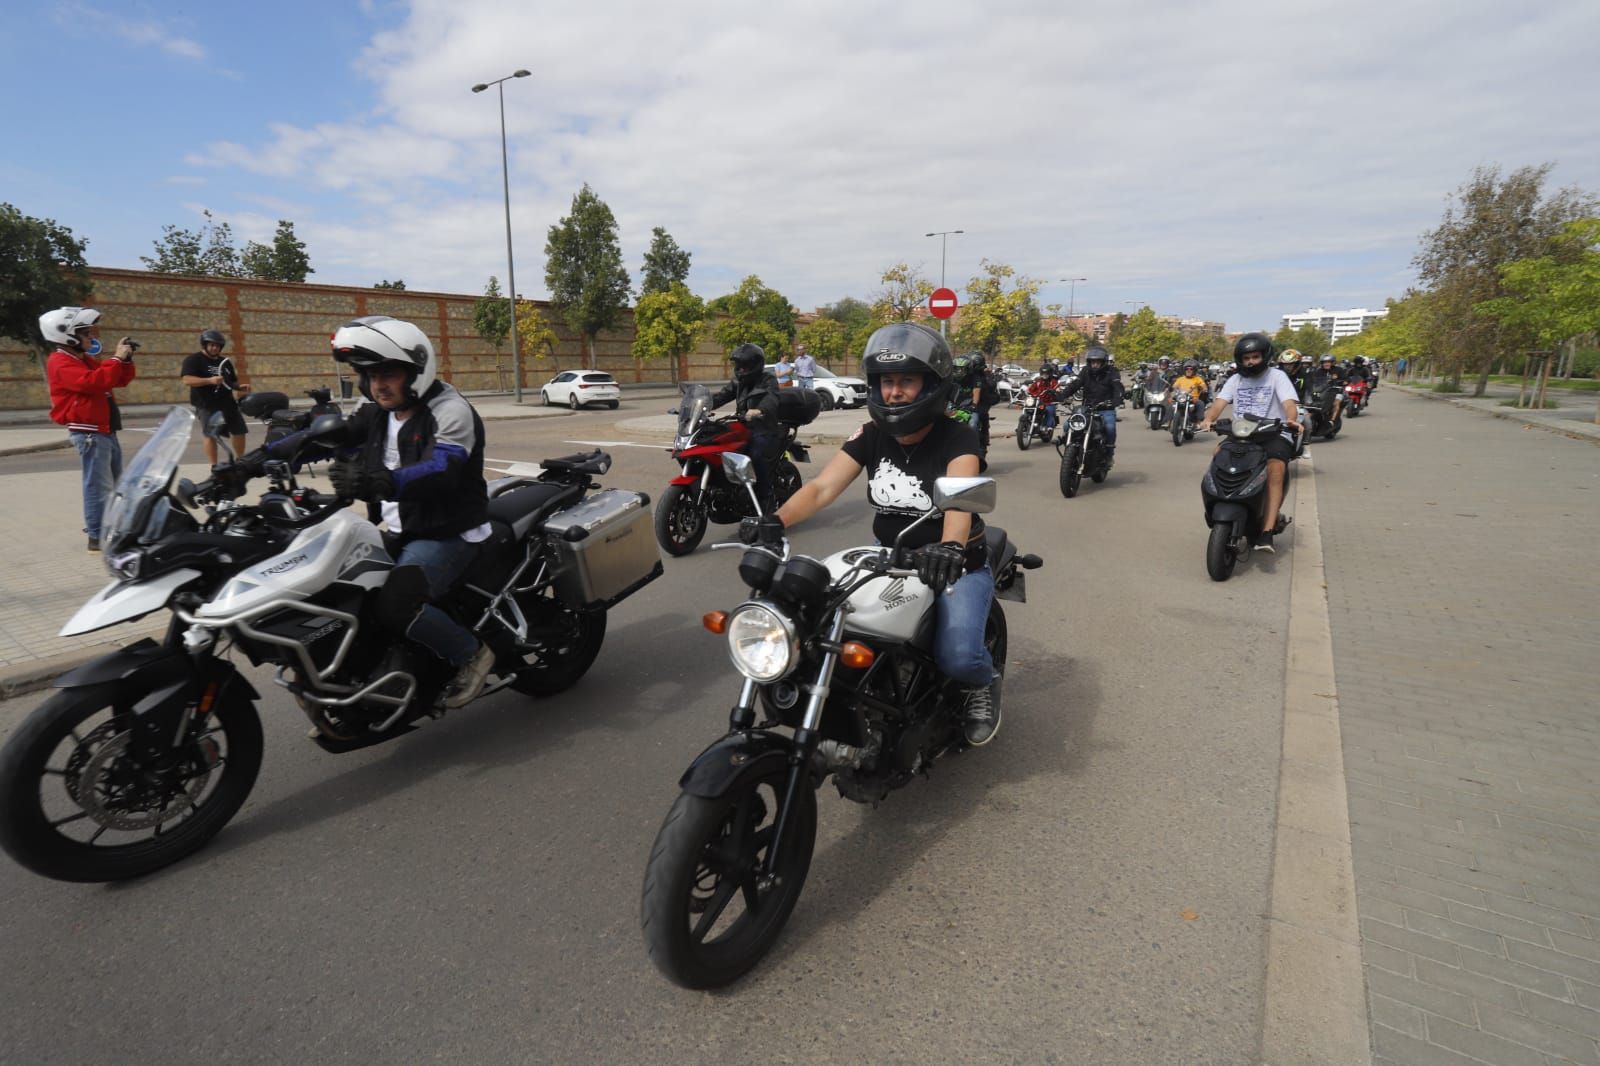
x,y
680,520
785,480
572,401
613,404
827,399
1220,555
562,644
1069,471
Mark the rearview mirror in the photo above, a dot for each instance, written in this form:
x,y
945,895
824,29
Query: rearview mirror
x,y
974,495
326,423
739,468
217,430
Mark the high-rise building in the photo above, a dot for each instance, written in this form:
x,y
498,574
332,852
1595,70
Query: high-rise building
x,y
1335,325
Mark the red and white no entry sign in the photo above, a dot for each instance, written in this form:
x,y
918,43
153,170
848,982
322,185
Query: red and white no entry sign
x,y
942,303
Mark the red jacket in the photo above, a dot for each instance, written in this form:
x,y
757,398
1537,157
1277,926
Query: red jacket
x,y
1044,388
80,389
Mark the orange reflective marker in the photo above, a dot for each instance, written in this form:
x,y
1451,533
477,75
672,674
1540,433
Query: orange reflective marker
x,y
856,656
715,621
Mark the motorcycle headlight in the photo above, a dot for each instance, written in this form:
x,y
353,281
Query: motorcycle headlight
x,y
1078,423
125,565
761,642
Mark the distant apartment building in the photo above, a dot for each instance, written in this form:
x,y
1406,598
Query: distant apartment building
x,y
1099,326
1196,327
1335,325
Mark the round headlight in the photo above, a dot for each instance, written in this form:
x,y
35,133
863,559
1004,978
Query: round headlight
x,y
1078,423
761,642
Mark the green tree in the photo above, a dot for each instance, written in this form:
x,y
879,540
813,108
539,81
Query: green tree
x,y
1308,340
1144,338
856,318
1118,320
583,268
1553,298
664,264
826,339
284,259
41,267
904,290
1204,348
668,324
1000,309
396,284
206,252
1056,345
535,336
491,316
756,315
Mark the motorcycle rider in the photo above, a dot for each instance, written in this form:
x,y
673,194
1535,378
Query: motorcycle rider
x,y
1191,382
209,392
1100,383
1044,386
908,443
1328,375
1262,390
419,467
1292,363
754,392
976,386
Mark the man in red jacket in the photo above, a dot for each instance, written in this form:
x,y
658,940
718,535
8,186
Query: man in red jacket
x,y
81,400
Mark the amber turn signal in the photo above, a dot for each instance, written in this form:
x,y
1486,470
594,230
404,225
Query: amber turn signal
x,y
715,621
856,656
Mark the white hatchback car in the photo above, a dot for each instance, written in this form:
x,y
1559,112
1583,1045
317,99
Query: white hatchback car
x,y
579,388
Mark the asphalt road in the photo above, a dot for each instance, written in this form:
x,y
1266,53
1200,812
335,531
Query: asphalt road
x,y
1089,888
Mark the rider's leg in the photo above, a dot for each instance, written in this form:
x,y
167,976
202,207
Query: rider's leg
x,y
959,651
763,452
443,562
1108,420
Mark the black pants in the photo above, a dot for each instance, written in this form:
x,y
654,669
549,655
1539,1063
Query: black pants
x,y
763,451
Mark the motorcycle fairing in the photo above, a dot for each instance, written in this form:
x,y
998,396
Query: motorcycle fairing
x,y
122,601
314,559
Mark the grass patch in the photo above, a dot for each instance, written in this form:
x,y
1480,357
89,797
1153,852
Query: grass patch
x,y
1446,386
1575,385
1528,404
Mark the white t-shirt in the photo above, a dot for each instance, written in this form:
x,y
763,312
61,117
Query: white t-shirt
x,y
1261,396
391,509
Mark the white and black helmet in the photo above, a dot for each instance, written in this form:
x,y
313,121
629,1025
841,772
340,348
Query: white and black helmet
x,y
378,340
61,326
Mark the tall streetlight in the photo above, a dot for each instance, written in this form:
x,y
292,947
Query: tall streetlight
x,y
505,181
1073,297
944,240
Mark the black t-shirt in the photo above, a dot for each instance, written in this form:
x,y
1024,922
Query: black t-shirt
x,y
210,397
900,481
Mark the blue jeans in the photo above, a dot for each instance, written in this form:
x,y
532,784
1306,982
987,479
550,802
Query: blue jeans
x,y
808,383
963,612
101,456
443,562
1049,416
1108,420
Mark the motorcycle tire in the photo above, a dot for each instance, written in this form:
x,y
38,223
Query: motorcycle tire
x,y
1070,474
1177,435
98,766
827,400
1220,556
1333,428
689,885
562,644
1355,410
785,480
1024,433
680,521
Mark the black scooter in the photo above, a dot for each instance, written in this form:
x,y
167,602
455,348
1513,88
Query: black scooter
x,y
1235,490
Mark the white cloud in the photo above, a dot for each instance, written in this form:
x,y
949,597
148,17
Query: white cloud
x,y
144,33
184,179
1231,159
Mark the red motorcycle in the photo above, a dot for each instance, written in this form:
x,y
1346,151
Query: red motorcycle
x,y
701,492
1356,394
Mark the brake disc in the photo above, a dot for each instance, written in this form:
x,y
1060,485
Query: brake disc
x,y
98,780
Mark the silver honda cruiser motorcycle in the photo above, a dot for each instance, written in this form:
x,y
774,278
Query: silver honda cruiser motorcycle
x,y
142,755
839,680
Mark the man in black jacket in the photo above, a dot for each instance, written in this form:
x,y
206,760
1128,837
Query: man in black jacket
x,y
754,391
1100,383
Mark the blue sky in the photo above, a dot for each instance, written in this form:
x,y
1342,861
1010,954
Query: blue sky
x,y
1233,159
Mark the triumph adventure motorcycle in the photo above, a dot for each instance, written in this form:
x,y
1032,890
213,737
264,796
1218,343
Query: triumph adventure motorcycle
x,y
1234,489
700,494
838,652
144,754
1083,448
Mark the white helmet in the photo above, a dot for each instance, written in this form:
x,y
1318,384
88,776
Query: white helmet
x,y
61,325
376,340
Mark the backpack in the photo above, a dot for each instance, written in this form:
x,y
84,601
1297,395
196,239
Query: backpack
x,y
798,407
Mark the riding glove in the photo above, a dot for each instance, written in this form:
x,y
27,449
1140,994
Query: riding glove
x,y
353,481
768,530
941,565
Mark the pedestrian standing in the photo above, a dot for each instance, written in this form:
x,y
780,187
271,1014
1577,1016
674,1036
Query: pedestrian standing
x,y
783,371
81,400
805,367
214,387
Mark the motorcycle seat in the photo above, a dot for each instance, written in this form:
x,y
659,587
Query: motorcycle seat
x,y
522,507
998,546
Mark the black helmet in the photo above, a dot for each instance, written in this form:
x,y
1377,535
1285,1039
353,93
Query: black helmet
x,y
211,336
907,348
1327,358
1046,368
1253,344
1189,366
1094,354
749,362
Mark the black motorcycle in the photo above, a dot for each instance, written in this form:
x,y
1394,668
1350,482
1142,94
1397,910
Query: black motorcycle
x,y
838,668
1321,403
1234,489
144,754
1084,448
1184,417
1033,424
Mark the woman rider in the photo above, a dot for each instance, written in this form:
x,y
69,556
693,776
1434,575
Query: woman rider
x,y
907,445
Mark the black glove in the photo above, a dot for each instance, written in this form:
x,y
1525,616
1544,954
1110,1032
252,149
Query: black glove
x,y
941,565
353,481
768,530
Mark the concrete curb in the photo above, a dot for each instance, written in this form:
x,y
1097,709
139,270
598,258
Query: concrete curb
x,y
1590,434
28,449
1316,1006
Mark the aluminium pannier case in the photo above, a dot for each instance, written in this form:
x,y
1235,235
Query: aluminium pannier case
x,y
605,548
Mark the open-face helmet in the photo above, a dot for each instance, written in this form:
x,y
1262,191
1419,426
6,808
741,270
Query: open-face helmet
x,y
907,348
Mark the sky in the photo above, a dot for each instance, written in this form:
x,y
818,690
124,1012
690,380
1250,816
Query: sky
x,y
1232,160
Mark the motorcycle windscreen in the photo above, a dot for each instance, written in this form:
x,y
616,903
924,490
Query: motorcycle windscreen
x,y
693,408
131,515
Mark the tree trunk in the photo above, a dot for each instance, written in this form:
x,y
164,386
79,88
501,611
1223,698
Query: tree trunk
x,y
1483,377
588,351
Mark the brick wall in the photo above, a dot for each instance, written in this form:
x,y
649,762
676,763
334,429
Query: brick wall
x,y
278,337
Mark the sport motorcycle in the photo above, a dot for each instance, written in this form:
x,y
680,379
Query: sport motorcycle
x,y
1356,394
145,753
840,681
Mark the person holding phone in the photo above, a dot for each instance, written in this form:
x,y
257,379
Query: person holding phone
x,y
213,387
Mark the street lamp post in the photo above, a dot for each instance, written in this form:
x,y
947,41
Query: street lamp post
x,y
1072,297
511,270
944,239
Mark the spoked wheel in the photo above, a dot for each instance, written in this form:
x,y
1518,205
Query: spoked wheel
x,y
78,804
562,644
680,521
1024,432
707,918
1070,474
785,480
1220,555
1177,433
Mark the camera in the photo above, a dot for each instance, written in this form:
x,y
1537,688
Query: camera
x,y
132,344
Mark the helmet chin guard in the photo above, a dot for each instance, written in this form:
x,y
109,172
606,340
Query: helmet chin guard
x,y
907,348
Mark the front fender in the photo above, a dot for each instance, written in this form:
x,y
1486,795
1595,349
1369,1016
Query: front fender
x,y
734,758
145,666
122,601
1227,511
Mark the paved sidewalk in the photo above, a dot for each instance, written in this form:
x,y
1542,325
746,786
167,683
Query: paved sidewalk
x,y
1574,418
1465,609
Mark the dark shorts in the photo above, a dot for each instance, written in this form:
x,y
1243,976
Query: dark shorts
x,y
233,421
1280,447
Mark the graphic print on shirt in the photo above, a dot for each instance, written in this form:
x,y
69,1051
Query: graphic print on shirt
x,y
1254,398
892,489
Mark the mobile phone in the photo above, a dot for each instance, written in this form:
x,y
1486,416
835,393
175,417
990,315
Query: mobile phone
x,y
132,344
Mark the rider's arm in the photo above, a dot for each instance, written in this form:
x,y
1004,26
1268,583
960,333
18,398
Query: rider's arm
x,y
1213,412
724,394
822,490
1291,411
958,524
456,432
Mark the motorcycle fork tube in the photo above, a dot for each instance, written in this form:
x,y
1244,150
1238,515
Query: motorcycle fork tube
x,y
805,742
743,715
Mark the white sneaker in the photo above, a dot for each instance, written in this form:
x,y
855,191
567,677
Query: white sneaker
x,y
468,682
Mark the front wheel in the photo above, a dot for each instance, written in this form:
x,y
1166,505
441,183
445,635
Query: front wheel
x,y
1177,432
1070,475
78,803
1220,556
1024,432
562,644
545,396
707,916
680,520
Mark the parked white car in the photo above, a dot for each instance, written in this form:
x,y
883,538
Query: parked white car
x,y
837,391
579,388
